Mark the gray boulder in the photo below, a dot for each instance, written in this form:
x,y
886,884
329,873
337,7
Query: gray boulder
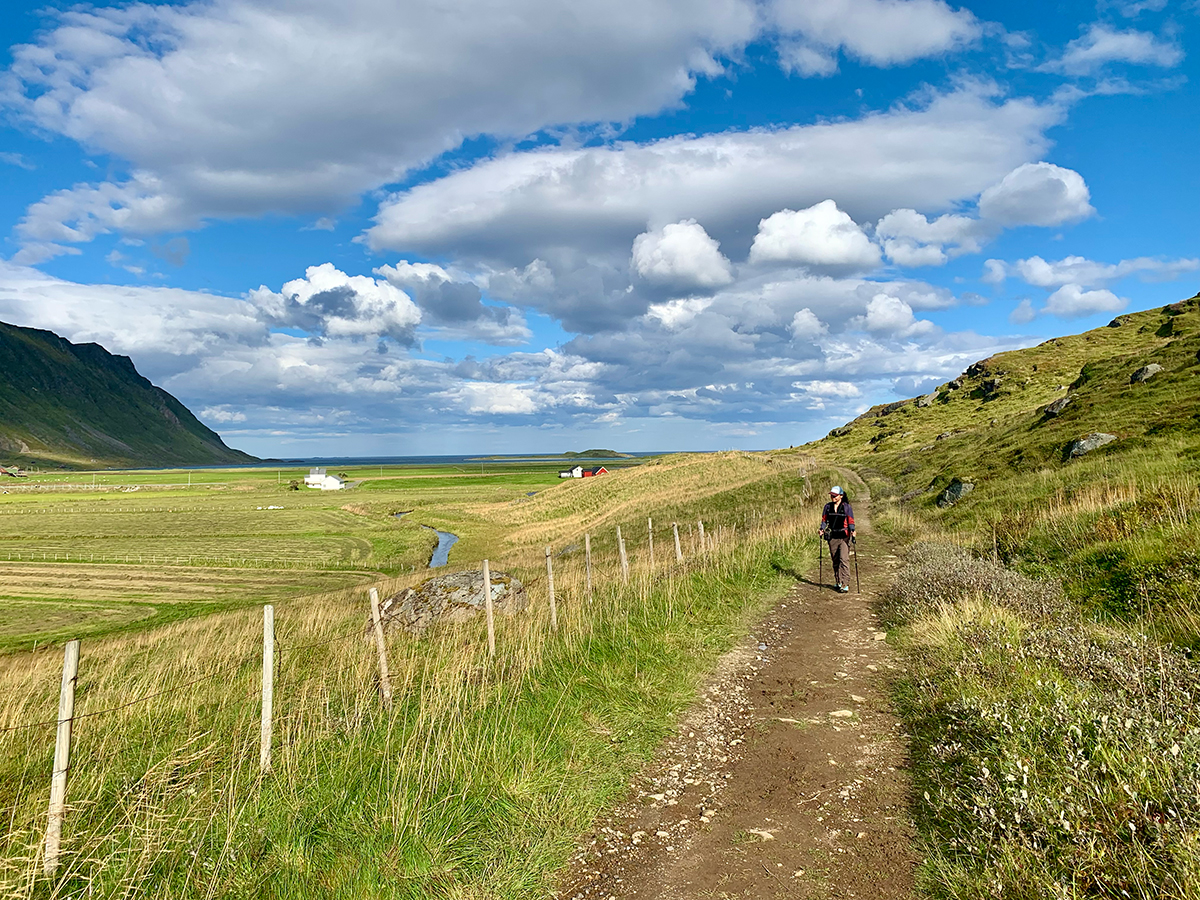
x,y
927,400
1092,442
1145,373
838,432
453,597
954,492
1053,409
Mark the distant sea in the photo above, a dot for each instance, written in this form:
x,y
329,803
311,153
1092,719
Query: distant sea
x,y
348,461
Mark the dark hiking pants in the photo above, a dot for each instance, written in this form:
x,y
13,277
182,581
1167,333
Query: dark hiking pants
x,y
839,555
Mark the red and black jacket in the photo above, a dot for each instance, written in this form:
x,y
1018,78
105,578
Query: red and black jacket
x,y
837,522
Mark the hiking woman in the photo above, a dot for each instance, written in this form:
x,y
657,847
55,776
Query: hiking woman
x,y
837,527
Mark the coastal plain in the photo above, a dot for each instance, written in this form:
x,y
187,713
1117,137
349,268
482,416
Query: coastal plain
x,y
87,553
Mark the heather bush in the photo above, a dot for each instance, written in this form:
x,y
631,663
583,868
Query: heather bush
x,y
938,575
1052,757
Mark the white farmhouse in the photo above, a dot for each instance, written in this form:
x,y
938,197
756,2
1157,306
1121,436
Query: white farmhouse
x,y
576,472
318,478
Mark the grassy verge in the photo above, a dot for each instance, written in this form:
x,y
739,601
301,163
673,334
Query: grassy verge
x,y
1054,756
476,785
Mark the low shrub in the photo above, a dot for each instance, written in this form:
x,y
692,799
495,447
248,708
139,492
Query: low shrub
x,y
937,575
1052,757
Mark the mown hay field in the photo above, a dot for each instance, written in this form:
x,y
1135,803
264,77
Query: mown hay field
x,y
86,553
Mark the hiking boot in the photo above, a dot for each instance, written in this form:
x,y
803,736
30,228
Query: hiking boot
x,y
844,588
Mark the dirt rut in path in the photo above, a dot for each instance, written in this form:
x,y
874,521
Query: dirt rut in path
x,y
788,779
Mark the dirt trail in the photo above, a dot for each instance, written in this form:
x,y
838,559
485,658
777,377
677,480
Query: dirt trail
x,y
788,780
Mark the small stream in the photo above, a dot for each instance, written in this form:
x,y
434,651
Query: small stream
x,y
446,540
441,553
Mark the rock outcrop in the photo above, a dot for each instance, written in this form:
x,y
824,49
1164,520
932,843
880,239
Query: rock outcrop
x,y
453,597
954,492
1145,373
1053,409
1087,444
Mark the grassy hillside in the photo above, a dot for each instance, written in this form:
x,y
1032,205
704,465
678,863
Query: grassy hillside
x,y
990,422
1113,523
1050,614
77,405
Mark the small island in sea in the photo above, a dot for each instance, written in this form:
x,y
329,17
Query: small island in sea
x,y
596,454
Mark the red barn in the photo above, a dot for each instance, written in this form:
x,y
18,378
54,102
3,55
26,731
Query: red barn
x,y
599,470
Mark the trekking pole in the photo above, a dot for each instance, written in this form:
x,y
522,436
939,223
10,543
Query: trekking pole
x,y
820,564
857,583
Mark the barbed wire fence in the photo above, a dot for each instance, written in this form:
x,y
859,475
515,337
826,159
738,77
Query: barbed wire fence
x,y
696,548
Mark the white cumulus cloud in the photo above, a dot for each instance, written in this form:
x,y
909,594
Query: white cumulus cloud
x,y
820,237
1023,313
1037,194
497,398
891,316
329,303
911,239
843,389
1071,302
879,32
680,255
1102,45
674,314
806,326
524,206
1089,273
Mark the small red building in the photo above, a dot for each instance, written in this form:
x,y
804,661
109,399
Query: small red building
x,y
599,470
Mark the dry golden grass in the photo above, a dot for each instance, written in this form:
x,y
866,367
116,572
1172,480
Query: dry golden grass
x,y
589,504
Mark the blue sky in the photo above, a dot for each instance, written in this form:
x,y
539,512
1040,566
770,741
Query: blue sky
x,y
534,225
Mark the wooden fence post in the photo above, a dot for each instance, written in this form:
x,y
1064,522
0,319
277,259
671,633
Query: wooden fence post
x,y
62,757
550,583
624,558
703,547
268,688
678,549
385,681
487,606
650,533
587,563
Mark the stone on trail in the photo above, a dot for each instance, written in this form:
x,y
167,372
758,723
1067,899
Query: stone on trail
x,y
1091,442
453,597
1145,373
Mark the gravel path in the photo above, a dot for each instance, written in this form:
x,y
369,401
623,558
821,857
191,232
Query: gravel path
x,y
788,779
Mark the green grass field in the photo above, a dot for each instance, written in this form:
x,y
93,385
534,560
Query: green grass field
x,y
88,553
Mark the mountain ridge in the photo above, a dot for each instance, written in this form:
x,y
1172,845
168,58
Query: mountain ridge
x,y
78,405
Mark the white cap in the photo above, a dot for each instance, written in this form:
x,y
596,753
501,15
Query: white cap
x,y
836,490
